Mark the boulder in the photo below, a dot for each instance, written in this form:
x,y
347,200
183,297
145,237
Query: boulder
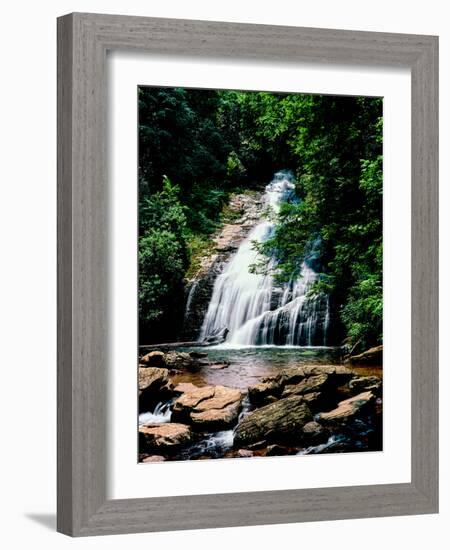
x,y
279,422
179,360
319,387
154,458
211,419
184,387
189,400
373,356
340,372
163,438
210,407
152,378
314,433
291,375
294,375
308,385
153,359
244,453
222,397
154,386
315,401
365,383
270,386
348,409
299,380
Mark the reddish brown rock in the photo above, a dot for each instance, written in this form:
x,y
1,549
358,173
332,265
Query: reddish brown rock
x,y
154,386
244,453
210,407
191,399
151,378
215,418
184,387
373,356
348,409
154,458
153,359
179,360
163,437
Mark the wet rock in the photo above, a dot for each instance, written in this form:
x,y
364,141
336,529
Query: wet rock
x,y
154,386
179,360
277,450
244,453
348,409
373,356
212,419
300,380
294,375
269,387
308,385
366,383
184,387
153,359
291,375
187,402
340,372
229,238
279,422
208,408
152,378
316,401
154,458
166,438
314,433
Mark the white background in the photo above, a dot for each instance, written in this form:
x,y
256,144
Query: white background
x,y
127,479
28,303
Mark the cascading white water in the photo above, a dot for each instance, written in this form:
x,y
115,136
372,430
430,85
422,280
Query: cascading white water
x,y
252,307
161,414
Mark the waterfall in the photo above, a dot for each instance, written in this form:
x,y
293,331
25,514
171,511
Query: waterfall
x,y
255,309
190,297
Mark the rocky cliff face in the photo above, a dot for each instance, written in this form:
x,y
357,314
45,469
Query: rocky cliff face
x,y
244,212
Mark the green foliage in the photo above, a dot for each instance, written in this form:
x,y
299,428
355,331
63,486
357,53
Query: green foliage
x,y
163,259
235,168
363,311
161,268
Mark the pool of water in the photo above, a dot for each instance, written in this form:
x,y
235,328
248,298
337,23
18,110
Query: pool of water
x,y
247,365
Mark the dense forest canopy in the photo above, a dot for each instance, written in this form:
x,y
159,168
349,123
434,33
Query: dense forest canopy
x,y
196,147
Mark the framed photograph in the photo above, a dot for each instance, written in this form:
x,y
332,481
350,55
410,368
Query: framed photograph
x,y
247,274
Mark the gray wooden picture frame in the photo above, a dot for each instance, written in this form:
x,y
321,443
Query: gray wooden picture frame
x,y
83,41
